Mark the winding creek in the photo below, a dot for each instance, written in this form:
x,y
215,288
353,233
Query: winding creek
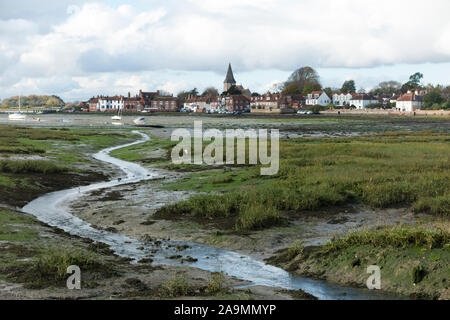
x,y
54,210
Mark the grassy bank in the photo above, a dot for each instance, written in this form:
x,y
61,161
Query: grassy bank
x,y
34,161
383,170
414,261
38,262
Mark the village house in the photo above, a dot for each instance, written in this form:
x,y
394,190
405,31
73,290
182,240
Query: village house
x,y
106,104
163,104
343,99
275,103
158,101
197,104
236,102
133,104
362,100
92,103
410,101
394,98
267,101
317,98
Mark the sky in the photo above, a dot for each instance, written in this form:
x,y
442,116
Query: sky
x,y
78,48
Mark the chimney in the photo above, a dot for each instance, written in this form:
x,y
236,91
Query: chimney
x,y
129,95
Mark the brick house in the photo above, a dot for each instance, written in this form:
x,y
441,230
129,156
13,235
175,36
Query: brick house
x,y
92,104
276,103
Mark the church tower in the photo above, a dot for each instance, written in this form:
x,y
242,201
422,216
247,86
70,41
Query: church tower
x,y
229,79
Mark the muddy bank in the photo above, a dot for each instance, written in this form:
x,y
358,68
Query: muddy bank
x,y
18,256
417,272
131,214
27,187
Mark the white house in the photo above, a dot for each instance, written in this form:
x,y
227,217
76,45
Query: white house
x,y
317,98
361,101
198,104
110,103
410,102
342,99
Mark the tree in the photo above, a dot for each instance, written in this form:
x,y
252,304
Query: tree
x,y
255,94
387,88
232,91
446,93
413,83
34,101
310,87
349,87
302,77
414,80
328,91
292,89
194,92
210,92
432,98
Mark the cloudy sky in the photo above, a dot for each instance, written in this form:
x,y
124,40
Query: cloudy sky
x,y
79,48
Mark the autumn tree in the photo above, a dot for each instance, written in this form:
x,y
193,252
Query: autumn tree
x,y
301,78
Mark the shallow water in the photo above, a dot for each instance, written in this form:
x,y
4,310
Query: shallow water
x,y
53,209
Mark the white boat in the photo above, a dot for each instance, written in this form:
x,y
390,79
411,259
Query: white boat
x,y
117,123
140,121
118,116
17,116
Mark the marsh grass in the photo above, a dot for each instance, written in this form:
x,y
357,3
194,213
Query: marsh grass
x,y
217,283
381,171
176,286
50,268
30,166
54,264
400,236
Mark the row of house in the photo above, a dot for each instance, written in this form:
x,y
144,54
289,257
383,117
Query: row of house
x,y
159,101
412,100
143,102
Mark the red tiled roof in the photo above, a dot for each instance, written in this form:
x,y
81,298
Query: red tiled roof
x,y
410,97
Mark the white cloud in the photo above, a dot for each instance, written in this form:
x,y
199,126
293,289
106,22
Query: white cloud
x,y
90,41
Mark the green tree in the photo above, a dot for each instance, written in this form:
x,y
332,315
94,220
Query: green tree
x,y
232,91
310,87
349,87
413,83
433,97
328,91
292,89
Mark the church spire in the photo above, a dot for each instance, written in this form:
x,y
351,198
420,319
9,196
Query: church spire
x,y
230,78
